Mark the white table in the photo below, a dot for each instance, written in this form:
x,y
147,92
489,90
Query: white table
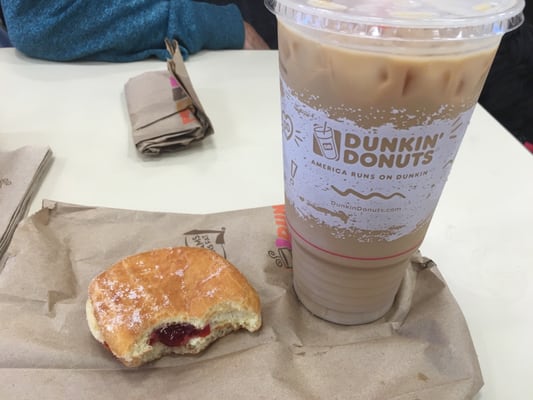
x,y
480,237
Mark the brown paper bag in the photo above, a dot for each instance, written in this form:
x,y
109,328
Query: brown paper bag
x,y
165,112
420,350
21,173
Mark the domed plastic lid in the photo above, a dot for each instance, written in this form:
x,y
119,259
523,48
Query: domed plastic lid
x,y
405,19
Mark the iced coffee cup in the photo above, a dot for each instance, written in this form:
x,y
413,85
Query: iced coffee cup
x,y
376,96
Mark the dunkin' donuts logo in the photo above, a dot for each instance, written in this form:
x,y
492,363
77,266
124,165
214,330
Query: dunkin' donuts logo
x,y
283,254
372,150
376,173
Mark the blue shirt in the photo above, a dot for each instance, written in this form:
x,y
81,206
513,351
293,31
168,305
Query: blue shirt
x,y
119,30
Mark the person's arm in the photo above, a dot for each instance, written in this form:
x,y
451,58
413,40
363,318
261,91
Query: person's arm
x,y
252,39
119,30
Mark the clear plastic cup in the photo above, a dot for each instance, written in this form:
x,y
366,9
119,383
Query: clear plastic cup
x,y
376,96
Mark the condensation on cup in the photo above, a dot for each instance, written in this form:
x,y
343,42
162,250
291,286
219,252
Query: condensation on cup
x,y
376,96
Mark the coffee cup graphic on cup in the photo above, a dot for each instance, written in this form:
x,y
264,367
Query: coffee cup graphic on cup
x,y
324,137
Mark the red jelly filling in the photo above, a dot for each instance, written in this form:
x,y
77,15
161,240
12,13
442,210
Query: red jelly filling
x,y
177,334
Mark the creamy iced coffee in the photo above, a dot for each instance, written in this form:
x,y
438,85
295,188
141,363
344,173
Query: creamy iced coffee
x,y
370,131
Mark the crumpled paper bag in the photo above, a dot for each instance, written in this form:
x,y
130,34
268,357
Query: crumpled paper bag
x,y
165,112
420,350
21,172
